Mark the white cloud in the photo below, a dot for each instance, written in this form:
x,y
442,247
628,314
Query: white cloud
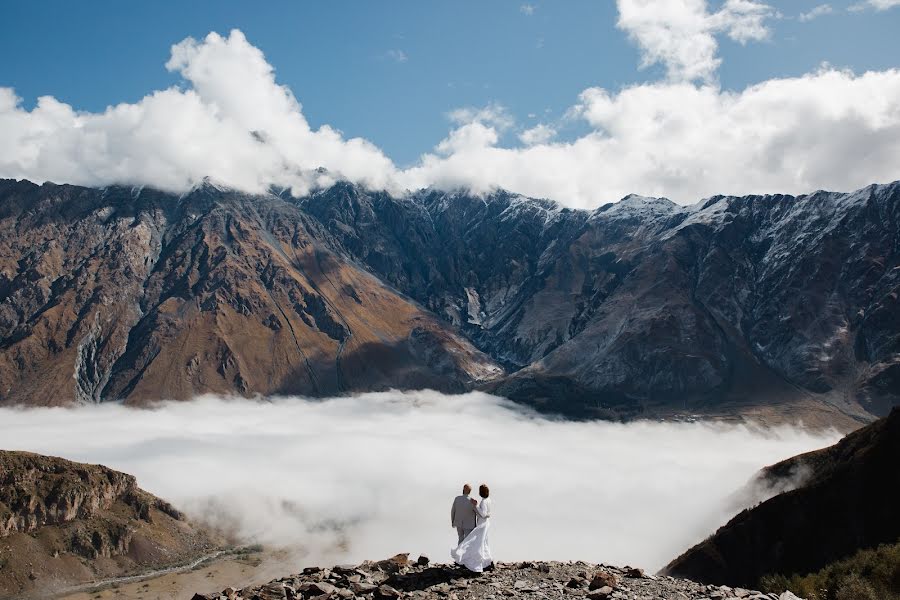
x,y
477,128
816,12
528,9
830,129
493,114
397,55
681,34
173,138
471,137
539,134
378,472
680,139
877,5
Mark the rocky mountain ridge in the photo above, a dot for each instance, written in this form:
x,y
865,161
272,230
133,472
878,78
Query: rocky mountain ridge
x,y
64,523
36,491
398,577
774,307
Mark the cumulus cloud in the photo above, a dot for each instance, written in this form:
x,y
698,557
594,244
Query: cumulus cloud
x,y
684,138
234,123
365,477
681,34
539,134
816,12
831,129
494,114
528,9
476,128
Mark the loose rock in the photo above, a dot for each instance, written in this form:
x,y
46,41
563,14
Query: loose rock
x,y
398,577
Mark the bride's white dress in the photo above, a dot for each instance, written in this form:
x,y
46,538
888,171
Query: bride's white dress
x,y
474,552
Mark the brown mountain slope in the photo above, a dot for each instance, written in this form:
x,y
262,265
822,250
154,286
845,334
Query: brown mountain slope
x,y
63,523
139,295
847,501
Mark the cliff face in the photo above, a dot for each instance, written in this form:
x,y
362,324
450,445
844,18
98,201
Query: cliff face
x,y
846,501
36,491
757,305
64,523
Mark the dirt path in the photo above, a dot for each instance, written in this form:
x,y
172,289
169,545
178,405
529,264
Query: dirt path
x,y
208,574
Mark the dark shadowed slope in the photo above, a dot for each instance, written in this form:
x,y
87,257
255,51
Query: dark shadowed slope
x,y
847,502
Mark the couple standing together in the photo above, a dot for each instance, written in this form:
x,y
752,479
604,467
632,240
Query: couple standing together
x,y
472,520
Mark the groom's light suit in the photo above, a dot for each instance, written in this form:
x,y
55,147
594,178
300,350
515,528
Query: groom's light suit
x,y
462,516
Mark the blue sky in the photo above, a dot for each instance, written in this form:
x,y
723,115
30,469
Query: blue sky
x,y
343,60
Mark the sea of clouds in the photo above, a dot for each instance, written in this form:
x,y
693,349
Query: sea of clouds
x,y
365,477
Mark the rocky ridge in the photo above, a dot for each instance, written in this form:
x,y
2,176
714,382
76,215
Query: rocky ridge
x,y
36,491
399,577
64,523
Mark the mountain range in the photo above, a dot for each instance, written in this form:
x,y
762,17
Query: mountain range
x,y
772,307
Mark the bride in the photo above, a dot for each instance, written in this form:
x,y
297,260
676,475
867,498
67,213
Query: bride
x,y
474,553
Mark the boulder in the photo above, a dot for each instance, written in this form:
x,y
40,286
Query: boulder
x,y
386,592
316,588
271,591
600,593
361,587
603,579
393,564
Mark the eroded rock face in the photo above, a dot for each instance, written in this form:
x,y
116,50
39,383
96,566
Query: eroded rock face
x,y
642,307
399,578
37,491
64,523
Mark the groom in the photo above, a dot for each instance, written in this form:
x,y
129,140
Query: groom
x,y
462,514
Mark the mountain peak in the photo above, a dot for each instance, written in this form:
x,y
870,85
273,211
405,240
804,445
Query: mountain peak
x,y
210,184
635,206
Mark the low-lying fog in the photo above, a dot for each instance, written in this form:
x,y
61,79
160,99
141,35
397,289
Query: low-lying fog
x,y
370,476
